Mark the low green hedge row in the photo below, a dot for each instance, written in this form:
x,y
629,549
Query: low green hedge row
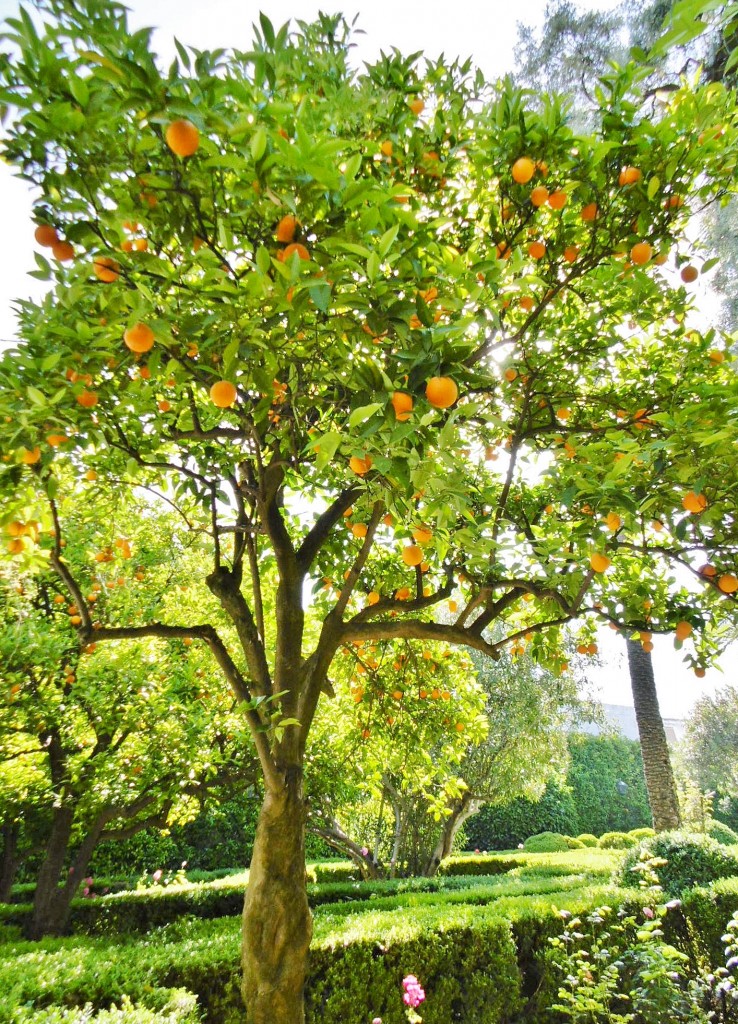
x,y
182,1008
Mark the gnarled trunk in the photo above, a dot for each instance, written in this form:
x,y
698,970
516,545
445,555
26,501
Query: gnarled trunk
x,y
461,809
9,835
277,924
662,794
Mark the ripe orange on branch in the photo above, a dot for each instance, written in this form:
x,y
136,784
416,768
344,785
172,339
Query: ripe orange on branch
x,y
223,394
286,228
694,503
523,170
412,555
360,466
106,269
728,583
402,403
629,176
183,138
599,562
46,235
641,253
139,338
441,392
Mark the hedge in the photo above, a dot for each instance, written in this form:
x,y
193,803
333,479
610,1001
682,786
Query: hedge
x,y
691,859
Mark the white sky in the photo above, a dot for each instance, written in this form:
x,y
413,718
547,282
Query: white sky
x,y
482,29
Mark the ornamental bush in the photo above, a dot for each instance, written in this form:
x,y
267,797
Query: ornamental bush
x,y
546,842
691,859
616,841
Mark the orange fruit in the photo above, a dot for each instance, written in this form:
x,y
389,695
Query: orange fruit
x,y
647,646
63,251
563,414
613,521
570,253
286,228
403,594
641,253
360,466
728,583
46,235
600,563
673,202
372,597
223,394
629,176
689,274
700,673
694,503
422,535
139,338
412,555
15,547
403,405
716,356
359,530
441,392
386,148
87,399
140,244
537,250
416,105
557,200
510,374
288,250
54,440
106,269
126,245
683,630
164,406
539,195
29,456
589,212
90,475
182,138
523,170
527,302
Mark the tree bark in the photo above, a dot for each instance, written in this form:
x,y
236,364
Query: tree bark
x,y
460,811
662,794
9,835
49,915
277,924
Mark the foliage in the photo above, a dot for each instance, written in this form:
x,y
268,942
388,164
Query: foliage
x,y
711,740
722,833
691,859
616,841
504,826
181,1008
546,842
587,839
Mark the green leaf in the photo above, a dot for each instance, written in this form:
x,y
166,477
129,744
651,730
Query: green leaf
x,y
363,413
653,186
325,448
36,396
263,259
258,144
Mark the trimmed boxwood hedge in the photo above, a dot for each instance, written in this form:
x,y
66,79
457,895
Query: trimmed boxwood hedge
x,y
691,859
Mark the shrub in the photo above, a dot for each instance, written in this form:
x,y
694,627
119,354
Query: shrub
x,y
587,839
616,841
722,833
504,826
181,1009
479,864
546,842
642,833
691,859
573,844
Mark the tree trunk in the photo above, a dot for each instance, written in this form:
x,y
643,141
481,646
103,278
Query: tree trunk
x,y
9,860
460,811
49,913
662,794
277,924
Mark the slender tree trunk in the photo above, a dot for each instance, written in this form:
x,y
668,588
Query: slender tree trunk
x,y
662,794
277,924
9,860
460,811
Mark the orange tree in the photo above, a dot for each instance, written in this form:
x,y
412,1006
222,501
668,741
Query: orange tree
x,y
287,289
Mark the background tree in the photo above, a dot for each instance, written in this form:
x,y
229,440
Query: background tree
x,y
711,743
285,289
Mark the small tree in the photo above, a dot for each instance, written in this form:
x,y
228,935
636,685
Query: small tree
x,y
286,289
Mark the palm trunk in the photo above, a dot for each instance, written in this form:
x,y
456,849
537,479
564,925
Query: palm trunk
x,y
662,794
9,835
277,924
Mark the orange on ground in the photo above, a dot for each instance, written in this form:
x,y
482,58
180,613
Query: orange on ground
x,y
728,583
183,138
412,555
641,253
223,394
683,630
403,405
441,392
46,235
589,212
286,228
63,251
599,562
629,176
539,195
106,269
360,466
557,200
523,170
694,503
689,274
537,250
139,338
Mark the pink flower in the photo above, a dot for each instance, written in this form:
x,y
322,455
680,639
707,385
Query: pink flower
x,y
89,881
647,912
414,994
377,1020
85,891
364,851
157,874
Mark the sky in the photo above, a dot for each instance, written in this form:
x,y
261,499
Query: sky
x,y
486,31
